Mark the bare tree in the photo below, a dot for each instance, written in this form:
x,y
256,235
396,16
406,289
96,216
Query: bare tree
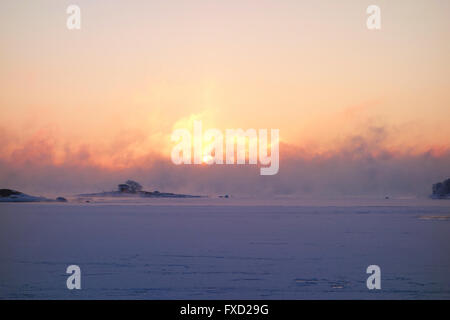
x,y
134,186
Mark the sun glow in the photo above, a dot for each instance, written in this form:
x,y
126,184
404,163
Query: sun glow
x,y
207,158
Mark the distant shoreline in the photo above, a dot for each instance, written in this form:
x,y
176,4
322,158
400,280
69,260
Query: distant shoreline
x,y
140,194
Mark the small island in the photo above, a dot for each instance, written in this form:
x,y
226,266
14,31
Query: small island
x,y
128,189
132,188
9,195
441,190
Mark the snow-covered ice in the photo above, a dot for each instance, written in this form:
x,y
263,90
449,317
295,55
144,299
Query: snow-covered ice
x,y
226,249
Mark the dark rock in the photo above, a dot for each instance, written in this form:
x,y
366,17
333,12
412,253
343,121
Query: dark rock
x,y
9,192
441,190
61,199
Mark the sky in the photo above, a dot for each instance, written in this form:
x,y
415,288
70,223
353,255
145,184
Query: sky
x,y
359,111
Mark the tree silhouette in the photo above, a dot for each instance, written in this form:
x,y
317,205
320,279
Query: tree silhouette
x,y
134,186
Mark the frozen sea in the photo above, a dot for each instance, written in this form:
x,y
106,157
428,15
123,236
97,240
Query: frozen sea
x,y
226,249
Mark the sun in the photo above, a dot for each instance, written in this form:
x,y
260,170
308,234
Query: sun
x,y
207,158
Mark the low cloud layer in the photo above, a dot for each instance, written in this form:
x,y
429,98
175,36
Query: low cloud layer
x,y
360,167
360,164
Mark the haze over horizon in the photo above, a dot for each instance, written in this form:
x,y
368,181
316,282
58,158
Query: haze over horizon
x,y
360,112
